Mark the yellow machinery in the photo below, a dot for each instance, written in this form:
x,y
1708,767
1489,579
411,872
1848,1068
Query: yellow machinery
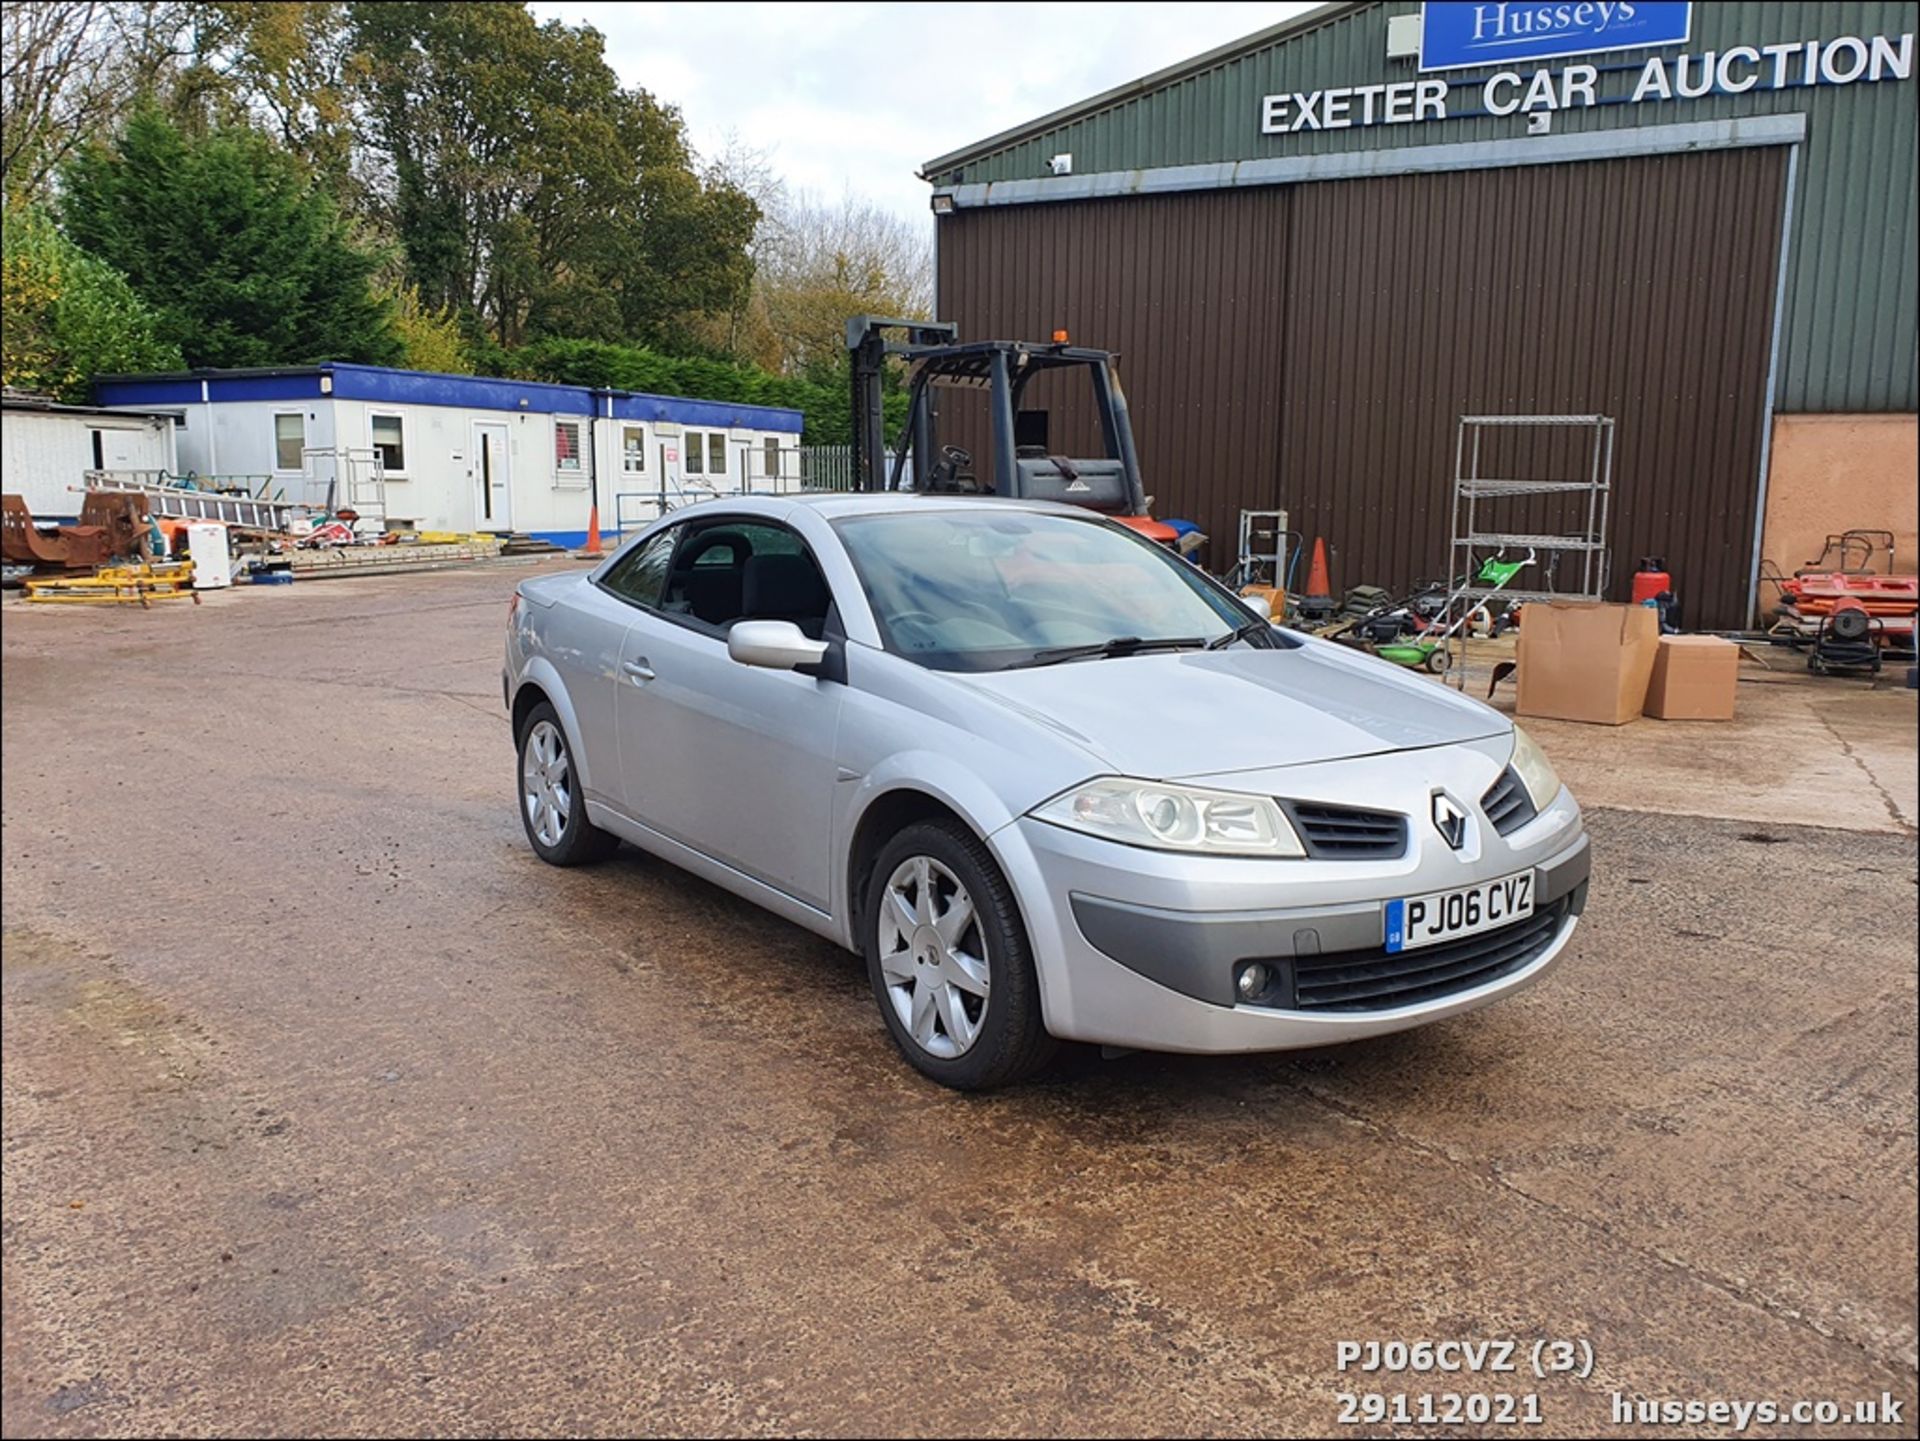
x,y
120,585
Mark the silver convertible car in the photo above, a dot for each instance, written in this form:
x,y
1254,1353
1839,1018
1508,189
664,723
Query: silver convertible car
x,y
1052,781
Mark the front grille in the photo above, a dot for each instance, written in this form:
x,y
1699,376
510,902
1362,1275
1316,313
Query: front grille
x,y
1373,980
1508,805
1341,833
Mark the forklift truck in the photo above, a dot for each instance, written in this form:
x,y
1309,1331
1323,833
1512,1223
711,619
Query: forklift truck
x,y
1022,464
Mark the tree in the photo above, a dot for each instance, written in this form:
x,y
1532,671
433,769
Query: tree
x,y
69,315
819,263
58,84
244,258
528,186
286,66
429,339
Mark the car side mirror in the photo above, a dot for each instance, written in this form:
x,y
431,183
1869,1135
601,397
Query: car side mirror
x,y
773,645
1259,605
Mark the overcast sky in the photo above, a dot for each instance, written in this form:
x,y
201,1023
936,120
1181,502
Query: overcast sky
x,y
861,96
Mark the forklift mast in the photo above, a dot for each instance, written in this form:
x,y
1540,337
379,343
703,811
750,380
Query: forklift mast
x,y
936,356
867,352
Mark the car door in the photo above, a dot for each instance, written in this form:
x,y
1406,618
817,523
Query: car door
x,y
590,648
734,760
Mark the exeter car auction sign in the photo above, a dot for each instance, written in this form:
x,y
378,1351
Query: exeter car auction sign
x,y
1455,36
1843,60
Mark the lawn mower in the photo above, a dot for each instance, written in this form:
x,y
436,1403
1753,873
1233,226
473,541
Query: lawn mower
x,y
1431,648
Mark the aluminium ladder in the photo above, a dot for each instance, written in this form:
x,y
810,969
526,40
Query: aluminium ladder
x,y
168,498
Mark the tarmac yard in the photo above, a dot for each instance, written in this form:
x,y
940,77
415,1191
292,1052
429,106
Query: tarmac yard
x,y
329,1108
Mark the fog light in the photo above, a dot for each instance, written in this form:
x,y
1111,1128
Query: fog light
x,y
1253,980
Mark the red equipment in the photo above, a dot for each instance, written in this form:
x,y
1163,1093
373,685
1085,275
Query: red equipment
x,y
1651,580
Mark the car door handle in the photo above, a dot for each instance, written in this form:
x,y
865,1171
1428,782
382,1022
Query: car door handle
x,y
638,669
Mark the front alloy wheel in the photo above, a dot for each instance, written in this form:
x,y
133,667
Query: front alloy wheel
x,y
949,959
933,957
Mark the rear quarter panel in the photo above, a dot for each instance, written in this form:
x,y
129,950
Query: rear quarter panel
x,y
567,638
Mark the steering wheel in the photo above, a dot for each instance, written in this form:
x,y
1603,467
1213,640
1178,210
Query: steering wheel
x,y
982,610
946,470
918,621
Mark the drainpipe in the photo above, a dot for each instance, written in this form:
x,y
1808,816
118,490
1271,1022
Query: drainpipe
x,y
593,471
213,446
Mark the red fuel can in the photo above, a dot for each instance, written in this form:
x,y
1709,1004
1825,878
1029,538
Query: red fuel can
x,y
1650,580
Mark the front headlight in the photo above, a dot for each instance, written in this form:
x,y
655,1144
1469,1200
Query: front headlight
x,y
1174,818
1530,763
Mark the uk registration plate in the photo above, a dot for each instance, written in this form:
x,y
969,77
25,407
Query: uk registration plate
x,y
1449,915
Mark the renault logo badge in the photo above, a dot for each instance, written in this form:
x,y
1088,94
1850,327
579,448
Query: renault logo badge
x,y
1449,820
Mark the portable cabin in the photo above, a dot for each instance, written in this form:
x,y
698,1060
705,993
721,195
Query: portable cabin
x,y
466,453
46,449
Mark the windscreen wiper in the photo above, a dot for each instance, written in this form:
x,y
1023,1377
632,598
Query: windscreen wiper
x,y
1119,645
1251,628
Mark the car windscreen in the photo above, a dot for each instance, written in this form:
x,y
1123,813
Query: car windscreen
x,y
988,589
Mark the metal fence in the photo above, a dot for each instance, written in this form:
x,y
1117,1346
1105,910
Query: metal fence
x,y
826,467
830,467
800,468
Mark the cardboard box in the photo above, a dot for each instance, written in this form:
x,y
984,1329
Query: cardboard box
x,y
1583,661
1694,678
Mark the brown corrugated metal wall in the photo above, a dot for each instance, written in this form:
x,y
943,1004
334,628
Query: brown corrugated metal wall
x,y
1189,289
1310,346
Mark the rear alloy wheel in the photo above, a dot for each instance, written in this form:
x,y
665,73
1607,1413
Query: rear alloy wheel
x,y
949,962
550,806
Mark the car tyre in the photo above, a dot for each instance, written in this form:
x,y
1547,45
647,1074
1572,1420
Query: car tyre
x,y
552,809
1006,1038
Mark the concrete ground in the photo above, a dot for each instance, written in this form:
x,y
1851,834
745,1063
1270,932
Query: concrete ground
x,y
329,1109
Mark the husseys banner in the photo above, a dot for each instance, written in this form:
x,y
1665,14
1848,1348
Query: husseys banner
x,y
1454,36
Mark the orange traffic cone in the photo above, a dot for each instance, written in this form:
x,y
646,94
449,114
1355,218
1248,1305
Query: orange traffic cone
x,y
593,530
1318,587
1317,603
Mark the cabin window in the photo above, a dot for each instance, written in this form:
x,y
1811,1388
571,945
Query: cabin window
x,y
633,449
566,447
289,440
389,442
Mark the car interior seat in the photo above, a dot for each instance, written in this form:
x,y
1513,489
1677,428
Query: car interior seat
x,y
785,587
711,592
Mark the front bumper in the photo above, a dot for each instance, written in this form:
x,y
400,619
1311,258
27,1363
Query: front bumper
x,y
1139,948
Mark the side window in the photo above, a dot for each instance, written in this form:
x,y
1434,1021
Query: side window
x,y
289,440
640,575
566,447
390,441
743,569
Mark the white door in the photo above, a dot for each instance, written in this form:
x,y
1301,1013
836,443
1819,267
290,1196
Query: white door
x,y
492,488
125,450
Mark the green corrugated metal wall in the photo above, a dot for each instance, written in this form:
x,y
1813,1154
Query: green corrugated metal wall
x,y
1848,341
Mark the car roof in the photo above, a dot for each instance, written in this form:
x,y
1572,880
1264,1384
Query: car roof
x,y
832,505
